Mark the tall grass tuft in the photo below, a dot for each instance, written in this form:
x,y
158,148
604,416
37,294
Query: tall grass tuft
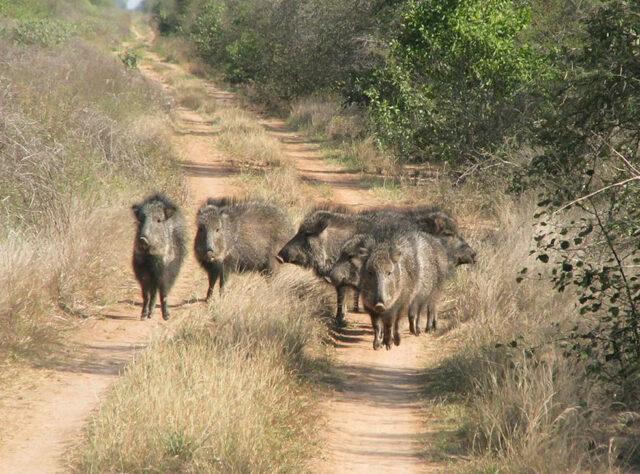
x,y
80,138
226,393
528,406
246,141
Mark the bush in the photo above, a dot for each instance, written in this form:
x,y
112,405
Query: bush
x,y
447,88
43,32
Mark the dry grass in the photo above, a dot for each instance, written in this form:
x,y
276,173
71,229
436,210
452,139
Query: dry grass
x,y
523,406
80,138
345,130
226,393
246,141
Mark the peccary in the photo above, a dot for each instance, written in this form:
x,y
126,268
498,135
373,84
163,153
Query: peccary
x,y
353,254
323,232
158,250
239,236
403,274
318,241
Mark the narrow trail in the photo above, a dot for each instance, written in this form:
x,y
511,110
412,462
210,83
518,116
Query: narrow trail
x,y
374,416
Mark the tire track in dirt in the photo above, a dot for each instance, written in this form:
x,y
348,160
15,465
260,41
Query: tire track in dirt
x,y
374,417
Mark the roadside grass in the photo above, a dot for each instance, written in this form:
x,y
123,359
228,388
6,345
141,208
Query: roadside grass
x,y
246,141
80,139
522,404
344,130
229,392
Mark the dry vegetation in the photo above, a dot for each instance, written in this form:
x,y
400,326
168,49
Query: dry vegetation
x,y
80,138
343,133
515,401
227,393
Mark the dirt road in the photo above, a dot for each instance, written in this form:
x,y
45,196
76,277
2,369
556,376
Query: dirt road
x,y
374,414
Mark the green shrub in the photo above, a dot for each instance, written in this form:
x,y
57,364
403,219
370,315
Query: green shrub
x,y
43,32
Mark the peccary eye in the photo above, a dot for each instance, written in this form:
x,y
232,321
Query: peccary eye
x,y
218,230
158,221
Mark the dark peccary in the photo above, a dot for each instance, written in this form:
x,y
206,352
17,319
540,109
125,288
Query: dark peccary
x,y
353,255
322,233
239,236
158,251
402,275
318,241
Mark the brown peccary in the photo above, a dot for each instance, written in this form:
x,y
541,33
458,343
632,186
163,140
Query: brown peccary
x,y
318,241
322,233
235,235
353,255
403,274
158,250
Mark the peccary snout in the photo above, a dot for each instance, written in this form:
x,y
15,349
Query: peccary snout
x,y
211,256
143,244
380,307
289,254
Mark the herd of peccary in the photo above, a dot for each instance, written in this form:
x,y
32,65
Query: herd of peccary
x,y
394,259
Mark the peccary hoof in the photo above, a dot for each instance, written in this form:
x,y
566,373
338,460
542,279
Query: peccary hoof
x,y
143,316
376,344
388,346
396,339
166,315
340,322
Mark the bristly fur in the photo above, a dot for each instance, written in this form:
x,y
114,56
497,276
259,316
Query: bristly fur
x,y
159,196
330,207
247,239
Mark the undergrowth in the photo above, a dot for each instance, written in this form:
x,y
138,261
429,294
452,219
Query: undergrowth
x,y
80,138
227,393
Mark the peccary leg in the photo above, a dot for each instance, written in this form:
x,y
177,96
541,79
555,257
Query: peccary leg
x,y
396,332
222,277
340,294
413,319
386,340
166,314
376,323
151,301
356,301
213,274
145,303
418,318
431,317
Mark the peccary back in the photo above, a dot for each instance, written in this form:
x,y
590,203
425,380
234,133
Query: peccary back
x,y
159,249
239,236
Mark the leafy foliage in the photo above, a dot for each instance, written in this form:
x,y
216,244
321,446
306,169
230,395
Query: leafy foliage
x,y
591,136
448,86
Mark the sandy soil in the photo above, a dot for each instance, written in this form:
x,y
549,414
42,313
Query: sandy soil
x,y
373,416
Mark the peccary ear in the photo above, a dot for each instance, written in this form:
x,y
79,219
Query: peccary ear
x,y
395,255
321,224
363,252
443,224
169,211
136,211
